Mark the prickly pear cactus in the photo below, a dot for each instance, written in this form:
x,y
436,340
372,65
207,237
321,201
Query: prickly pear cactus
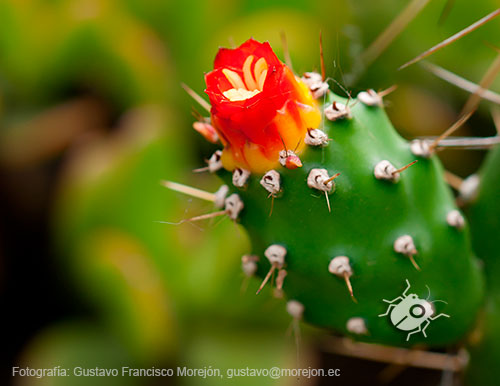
x,y
335,219
484,215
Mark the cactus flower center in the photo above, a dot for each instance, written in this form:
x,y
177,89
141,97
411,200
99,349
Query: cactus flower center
x,y
252,82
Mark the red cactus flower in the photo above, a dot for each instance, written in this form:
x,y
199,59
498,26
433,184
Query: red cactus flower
x,y
259,106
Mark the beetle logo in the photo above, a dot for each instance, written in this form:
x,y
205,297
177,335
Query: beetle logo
x,y
412,313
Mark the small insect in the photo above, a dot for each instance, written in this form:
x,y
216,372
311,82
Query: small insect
x,y
412,313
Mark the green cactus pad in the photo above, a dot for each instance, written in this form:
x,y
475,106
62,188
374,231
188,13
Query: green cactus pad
x,y
367,216
484,216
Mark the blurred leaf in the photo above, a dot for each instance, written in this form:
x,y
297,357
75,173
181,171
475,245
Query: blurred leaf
x,y
44,136
71,345
83,44
233,349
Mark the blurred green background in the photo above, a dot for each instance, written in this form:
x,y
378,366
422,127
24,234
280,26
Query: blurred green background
x,y
92,117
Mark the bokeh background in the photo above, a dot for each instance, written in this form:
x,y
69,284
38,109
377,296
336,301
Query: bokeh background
x,y
93,116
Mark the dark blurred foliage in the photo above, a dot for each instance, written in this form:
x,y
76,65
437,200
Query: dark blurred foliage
x,y
93,117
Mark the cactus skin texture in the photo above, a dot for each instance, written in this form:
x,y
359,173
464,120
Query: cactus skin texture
x,y
484,216
367,216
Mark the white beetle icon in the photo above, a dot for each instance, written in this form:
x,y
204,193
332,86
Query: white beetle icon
x,y
412,313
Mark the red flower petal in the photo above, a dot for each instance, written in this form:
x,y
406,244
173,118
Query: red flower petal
x,y
257,121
